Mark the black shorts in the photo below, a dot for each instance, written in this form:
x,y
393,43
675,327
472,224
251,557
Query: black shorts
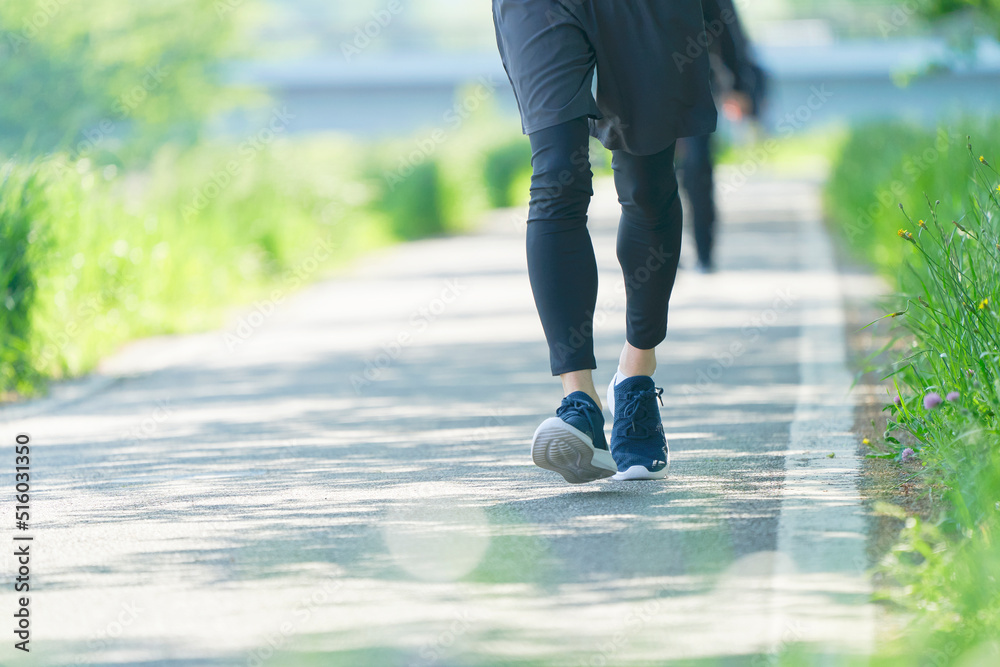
x,y
652,68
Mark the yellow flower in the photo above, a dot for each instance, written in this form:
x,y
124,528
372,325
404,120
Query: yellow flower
x,y
984,304
903,234
866,441
921,223
982,159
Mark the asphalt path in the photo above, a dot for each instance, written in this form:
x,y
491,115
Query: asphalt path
x,y
343,478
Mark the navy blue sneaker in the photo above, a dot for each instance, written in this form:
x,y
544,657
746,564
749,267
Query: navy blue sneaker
x,y
638,444
572,443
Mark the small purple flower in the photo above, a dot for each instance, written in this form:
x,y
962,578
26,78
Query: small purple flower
x,y
931,400
953,396
907,454
897,401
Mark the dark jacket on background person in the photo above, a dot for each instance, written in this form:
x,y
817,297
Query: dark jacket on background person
x,y
732,69
728,46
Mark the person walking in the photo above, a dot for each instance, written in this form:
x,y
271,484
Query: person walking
x,y
652,88
742,84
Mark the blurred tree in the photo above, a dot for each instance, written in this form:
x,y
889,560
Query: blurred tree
x,y
986,12
110,75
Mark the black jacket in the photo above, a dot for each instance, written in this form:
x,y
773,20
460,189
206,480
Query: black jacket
x,y
728,44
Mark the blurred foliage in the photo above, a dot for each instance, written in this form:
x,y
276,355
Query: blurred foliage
x,y
442,179
125,76
20,248
505,166
92,256
941,252
985,13
883,165
121,218
413,200
785,155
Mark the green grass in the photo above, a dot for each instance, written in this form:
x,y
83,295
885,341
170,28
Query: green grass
x,y
503,169
884,165
20,249
114,258
783,154
924,209
92,257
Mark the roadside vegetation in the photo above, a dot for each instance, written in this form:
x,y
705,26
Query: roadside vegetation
x,y
122,214
923,209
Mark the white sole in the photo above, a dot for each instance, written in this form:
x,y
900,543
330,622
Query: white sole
x,y
637,473
567,450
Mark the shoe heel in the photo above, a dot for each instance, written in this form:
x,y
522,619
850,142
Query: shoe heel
x,y
560,447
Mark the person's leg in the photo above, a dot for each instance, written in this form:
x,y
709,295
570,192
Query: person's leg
x,y
697,179
649,242
563,275
550,63
561,264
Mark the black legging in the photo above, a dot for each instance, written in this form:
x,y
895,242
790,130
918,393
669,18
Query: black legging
x,y
697,179
561,264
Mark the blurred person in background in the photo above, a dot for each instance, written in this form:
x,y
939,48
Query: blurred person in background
x,y
740,86
652,88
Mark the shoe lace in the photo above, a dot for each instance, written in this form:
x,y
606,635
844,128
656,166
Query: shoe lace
x,y
636,410
570,405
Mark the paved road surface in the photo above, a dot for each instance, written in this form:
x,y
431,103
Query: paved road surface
x,y
346,480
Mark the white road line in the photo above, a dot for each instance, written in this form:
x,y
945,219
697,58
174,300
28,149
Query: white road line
x,y
820,583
